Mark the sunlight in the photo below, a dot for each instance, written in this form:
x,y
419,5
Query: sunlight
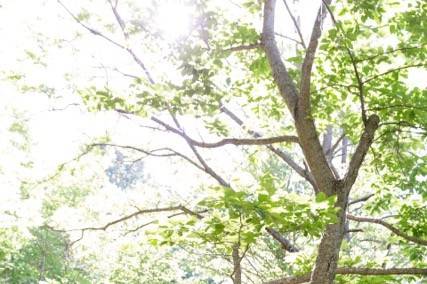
x,y
173,19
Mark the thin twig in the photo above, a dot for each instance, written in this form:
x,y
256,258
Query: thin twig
x,y
388,226
98,33
353,63
295,24
242,47
393,70
361,199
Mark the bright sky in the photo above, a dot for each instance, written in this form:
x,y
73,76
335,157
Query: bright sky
x,y
54,131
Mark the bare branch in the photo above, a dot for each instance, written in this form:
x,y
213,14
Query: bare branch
x,y
353,231
98,33
127,217
240,122
345,143
206,167
138,213
409,106
126,36
388,226
307,64
295,24
169,152
355,271
118,18
226,141
288,160
335,146
362,199
141,64
91,30
140,227
287,37
248,141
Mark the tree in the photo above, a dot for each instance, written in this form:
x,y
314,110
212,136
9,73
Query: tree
x,y
349,80
41,257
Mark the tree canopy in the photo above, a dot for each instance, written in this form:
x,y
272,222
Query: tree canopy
x,y
240,141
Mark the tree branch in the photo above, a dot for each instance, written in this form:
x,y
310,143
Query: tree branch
x,y
291,163
393,70
237,268
299,106
242,47
98,33
353,63
119,18
137,213
295,24
226,141
361,150
335,146
355,271
283,80
284,156
362,199
206,167
388,52
286,244
170,152
388,226
91,30
307,64
287,37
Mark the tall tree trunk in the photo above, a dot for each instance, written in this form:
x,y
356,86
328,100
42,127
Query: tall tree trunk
x,y
330,244
298,102
237,273
328,253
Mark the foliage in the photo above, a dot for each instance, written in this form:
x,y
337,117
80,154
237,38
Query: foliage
x,y
41,256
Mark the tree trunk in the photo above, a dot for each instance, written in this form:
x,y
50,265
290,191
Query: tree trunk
x,y
329,248
237,273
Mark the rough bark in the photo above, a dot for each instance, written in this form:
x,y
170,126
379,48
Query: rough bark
x,y
328,253
298,104
330,244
